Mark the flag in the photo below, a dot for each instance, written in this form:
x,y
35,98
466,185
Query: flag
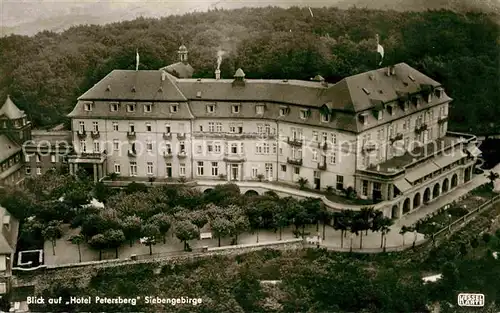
x,y
310,11
380,50
136,60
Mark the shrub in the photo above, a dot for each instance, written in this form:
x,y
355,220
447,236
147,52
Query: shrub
x,y
486,237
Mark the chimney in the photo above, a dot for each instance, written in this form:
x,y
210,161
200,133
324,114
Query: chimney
x,y
378,168
217,74
388,71
163,75
392,69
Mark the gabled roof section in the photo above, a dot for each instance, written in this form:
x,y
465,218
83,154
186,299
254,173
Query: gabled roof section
x,y
10,110
135,85
179,70
377,85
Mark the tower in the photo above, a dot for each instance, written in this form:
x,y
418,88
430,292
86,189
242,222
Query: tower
x,y
13,122
183,54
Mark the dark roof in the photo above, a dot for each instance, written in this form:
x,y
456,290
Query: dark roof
x,y
7,148
179,70
135,85
10,110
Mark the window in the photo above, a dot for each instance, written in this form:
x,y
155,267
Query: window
x,y
265,148
149,145
255,172
259,109
116,145
210,147
148,127
182,147
88,106
283,168
217,147
148,107
95,126
218,127
333,158
315,136
325,118
303,114
97,148
133,168
28,170
83,147
168,169
283,111
232,128
234,148
168,130
363,118
38,170
115,126
131,128
174,108
81,127
235,109
296,170
391,110
210,108
182,169
334,138
258,148
150,168
199,149
200,168
274,148
131,107
269,170
211,127
117,168
340,182
168,148
215,169
365,188
315,155
26,158
113,107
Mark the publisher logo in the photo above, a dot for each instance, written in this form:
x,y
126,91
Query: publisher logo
x,y
471,299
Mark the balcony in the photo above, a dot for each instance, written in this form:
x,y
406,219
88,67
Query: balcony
x,y
181,136
323,145
82,134
294,161
294,142
322,166
234,157
443,119
95,134
167,154
181,154
132,153
167,136
398,137
131,135
420,129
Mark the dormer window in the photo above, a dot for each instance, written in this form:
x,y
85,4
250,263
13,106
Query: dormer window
x,y
235,109
174,108
113,107
380,114
283,111
390,110
131,107
259,109
148,107
325,118
363,118
87,106
429,97
439,92
303,114
416,101
210,108
406,105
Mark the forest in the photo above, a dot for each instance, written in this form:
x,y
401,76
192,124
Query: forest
x,y
45,73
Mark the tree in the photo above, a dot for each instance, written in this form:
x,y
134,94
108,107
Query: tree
x,y
98,242
163,221
383,224
280,217
221,227
367,214
150,233
403,231
185,230
134,187
115,239
359,225
198,218
302,182
78,240
102,192
493,176
52,232
131,226
240,225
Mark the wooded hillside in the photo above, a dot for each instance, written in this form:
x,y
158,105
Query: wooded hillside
x,y
45,74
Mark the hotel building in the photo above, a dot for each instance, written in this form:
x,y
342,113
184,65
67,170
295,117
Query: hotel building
x,y
383,132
